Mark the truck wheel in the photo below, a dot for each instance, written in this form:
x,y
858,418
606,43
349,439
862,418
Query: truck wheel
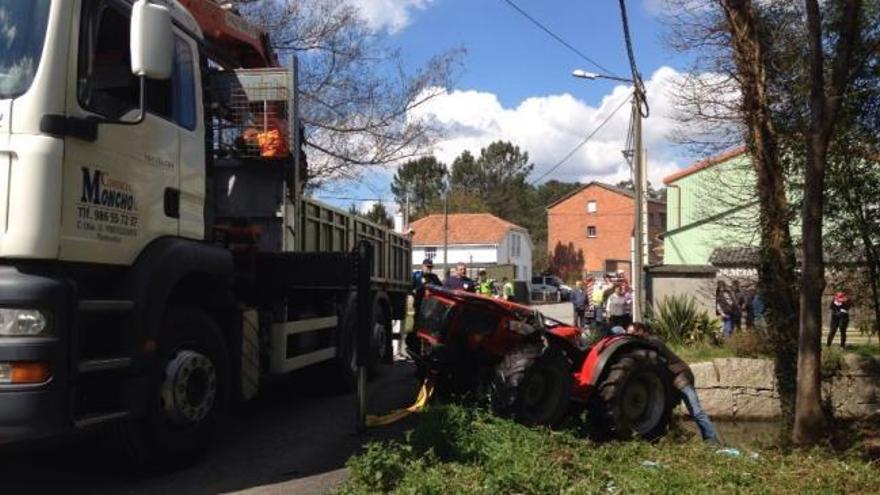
x,y
633,399
187,390
345,363
532,384
346,347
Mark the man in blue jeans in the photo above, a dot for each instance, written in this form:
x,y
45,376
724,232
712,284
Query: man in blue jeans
x,y
682,379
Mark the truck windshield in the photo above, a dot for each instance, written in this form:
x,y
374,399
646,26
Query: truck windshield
x,y
22,29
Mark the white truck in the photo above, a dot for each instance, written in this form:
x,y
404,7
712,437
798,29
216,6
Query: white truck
x,y
157,254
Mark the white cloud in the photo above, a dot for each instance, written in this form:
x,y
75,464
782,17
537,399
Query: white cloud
x,y
389,15
550,126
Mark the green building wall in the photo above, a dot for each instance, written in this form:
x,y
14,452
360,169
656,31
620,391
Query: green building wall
x,y
709,208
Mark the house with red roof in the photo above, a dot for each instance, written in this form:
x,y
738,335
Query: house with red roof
x,y
480,240
711,204
599,220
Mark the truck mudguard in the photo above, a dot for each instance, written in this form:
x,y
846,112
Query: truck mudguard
x,y
160,267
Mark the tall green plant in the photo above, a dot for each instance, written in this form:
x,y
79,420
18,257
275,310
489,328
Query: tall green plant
x,y
677,320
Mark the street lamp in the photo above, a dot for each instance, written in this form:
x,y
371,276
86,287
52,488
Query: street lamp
x,y
592,76
640,185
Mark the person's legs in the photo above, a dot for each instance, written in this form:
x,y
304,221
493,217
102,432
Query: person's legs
x,y
844,323
832,329
707,429
727,326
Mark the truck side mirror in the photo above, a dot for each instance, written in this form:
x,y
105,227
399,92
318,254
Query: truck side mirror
x,y
152,41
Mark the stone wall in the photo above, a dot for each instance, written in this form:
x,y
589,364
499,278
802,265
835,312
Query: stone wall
x,y
745,389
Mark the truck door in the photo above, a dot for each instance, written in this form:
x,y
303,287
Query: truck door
x,y
121,191
192,138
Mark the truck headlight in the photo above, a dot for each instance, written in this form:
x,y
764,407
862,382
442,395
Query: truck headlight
x,y
23,322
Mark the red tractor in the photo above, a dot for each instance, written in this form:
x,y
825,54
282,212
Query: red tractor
x,y
538,370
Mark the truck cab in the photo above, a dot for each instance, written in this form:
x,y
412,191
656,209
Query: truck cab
x,y
142,250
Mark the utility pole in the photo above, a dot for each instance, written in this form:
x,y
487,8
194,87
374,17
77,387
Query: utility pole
x,y
640,188
406,210
640,215
446,233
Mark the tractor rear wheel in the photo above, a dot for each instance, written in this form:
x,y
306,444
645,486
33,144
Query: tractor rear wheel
x,y
532,384
633,398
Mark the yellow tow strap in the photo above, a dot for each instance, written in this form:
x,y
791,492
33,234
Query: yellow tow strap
x,y
398,414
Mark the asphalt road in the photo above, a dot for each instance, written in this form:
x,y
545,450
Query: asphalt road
x,y
294,438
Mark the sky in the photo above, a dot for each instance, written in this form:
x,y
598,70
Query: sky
x,y
516,82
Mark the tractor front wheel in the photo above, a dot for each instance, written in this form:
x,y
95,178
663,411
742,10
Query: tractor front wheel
x,y
532,384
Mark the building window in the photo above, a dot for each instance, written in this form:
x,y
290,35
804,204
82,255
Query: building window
x,y
663,220
430,252
591,206
515,247
591,231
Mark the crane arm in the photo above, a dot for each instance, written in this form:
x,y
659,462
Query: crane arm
x,y
230,33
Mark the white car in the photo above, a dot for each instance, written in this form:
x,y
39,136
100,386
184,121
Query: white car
x,y
551,285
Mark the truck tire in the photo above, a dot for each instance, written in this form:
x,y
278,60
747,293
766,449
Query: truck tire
x,y
633,398
345,363
187,391
380,341
346,347
532,384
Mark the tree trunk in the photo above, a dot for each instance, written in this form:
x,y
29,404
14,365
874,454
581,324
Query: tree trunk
x,y
809,418
777,262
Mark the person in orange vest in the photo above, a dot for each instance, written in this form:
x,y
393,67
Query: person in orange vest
x,y
267,134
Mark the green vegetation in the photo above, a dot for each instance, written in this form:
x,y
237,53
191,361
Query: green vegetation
x,y
739,346
677,320
702,352
458,450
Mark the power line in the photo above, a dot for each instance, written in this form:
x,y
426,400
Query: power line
x,y
582,143
557,37
636,75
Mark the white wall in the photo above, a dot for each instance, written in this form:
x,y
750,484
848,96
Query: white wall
x,y
523,262
465,254
494,254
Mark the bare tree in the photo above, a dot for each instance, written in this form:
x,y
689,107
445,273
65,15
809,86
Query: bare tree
x,y
728,99
357,96
792,64
751,54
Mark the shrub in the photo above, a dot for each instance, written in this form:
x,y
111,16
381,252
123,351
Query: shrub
x,y
832,361
677,320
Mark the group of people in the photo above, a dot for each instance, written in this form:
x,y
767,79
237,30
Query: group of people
x,y
459,280
735,305
609,300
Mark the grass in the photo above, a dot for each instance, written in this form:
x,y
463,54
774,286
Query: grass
x,y
705,352
455,450
701,352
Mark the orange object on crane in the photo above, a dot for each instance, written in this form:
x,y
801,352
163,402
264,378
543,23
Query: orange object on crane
x,y
247,44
